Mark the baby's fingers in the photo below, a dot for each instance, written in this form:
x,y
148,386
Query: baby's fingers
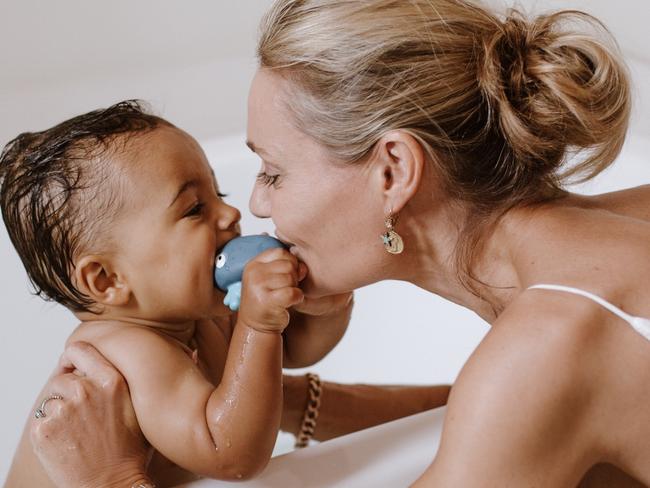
x,y
287,297
267,273
277,281
276,254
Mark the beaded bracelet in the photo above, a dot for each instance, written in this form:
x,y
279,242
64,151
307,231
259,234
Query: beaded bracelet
x,y
311,411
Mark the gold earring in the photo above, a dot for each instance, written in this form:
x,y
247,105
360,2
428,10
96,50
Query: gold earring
x,y
392,240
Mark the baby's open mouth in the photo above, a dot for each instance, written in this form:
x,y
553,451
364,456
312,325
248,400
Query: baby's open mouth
x,y
219,258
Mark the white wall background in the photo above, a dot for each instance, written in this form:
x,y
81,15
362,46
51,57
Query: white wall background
x,y
193,61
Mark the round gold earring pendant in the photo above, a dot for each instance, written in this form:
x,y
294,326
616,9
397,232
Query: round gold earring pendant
x,y
393,242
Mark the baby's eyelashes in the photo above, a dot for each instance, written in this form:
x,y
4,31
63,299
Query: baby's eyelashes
x,y
196,209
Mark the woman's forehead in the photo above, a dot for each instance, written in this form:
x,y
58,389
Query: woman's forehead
x,y
268,115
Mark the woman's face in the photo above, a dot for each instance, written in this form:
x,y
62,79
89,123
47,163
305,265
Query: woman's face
x,y
331,213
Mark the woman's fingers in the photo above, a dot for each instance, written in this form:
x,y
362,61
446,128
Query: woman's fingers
x,y
324,305
85,418
87,361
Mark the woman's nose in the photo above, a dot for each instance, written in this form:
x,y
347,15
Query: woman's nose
x,y
228,217
259,204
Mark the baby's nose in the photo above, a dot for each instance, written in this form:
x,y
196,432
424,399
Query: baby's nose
x,y
228,217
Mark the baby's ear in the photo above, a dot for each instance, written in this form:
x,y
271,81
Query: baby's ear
x,y
95,278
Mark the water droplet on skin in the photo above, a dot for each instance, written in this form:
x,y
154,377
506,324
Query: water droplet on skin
x,y
239,476
228,443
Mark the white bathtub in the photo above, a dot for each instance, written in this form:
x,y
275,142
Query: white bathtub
x,y
392,455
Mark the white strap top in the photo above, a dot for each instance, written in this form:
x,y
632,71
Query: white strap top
x,y
640,324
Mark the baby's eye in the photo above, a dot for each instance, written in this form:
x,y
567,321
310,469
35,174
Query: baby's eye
x,y
267,179
222,195
195,210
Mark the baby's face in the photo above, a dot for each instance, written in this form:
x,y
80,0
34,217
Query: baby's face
x,y
172,224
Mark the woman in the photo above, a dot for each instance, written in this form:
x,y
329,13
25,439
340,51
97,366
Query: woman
x,y
430,141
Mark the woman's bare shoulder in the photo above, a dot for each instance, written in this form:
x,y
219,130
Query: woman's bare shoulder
x,y
630,202
536,337
521,405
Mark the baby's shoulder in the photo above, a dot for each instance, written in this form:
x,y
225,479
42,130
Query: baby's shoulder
x,y
108,330
120,340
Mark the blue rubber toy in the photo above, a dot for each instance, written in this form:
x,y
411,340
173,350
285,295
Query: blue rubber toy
x,y
231,261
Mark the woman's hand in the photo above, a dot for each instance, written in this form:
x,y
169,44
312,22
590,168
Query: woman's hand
x,y
90,437
326,305
317,325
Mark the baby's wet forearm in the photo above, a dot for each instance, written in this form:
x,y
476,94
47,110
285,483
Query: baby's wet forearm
x,y
243,413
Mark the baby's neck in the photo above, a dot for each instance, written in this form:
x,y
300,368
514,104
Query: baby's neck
x,y
181,331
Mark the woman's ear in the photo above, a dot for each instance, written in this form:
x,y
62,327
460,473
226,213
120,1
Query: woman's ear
x,y
95,278
400,158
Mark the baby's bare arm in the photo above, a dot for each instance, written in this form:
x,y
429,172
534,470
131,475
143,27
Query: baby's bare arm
x,y
224,431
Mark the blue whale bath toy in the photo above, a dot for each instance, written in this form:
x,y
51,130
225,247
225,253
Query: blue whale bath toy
x,y
232,259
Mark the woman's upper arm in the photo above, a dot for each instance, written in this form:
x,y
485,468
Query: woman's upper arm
x,y
516,415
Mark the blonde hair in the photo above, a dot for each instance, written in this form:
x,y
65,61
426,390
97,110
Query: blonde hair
x,y
498,103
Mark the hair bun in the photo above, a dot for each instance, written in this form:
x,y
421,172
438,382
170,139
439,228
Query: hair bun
x,y
552,89
505,56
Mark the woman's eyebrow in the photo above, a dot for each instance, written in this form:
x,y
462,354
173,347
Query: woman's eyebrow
x,y
256,149
184,187
261,152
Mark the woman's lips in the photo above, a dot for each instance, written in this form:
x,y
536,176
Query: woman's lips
x,y
292,247
284,241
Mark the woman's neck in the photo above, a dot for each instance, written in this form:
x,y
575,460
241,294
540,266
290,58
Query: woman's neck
x,y
495,273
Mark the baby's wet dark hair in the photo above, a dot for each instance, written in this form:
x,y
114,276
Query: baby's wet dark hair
x,y
59,192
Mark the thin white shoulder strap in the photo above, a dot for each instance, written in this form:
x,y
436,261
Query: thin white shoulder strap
x,y
640,324
615,310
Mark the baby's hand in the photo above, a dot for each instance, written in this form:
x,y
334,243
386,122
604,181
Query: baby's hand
x,y
269,289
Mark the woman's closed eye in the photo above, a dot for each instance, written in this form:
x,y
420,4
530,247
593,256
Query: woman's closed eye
x,y
267,179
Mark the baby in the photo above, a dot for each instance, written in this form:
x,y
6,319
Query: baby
x,y
117,215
